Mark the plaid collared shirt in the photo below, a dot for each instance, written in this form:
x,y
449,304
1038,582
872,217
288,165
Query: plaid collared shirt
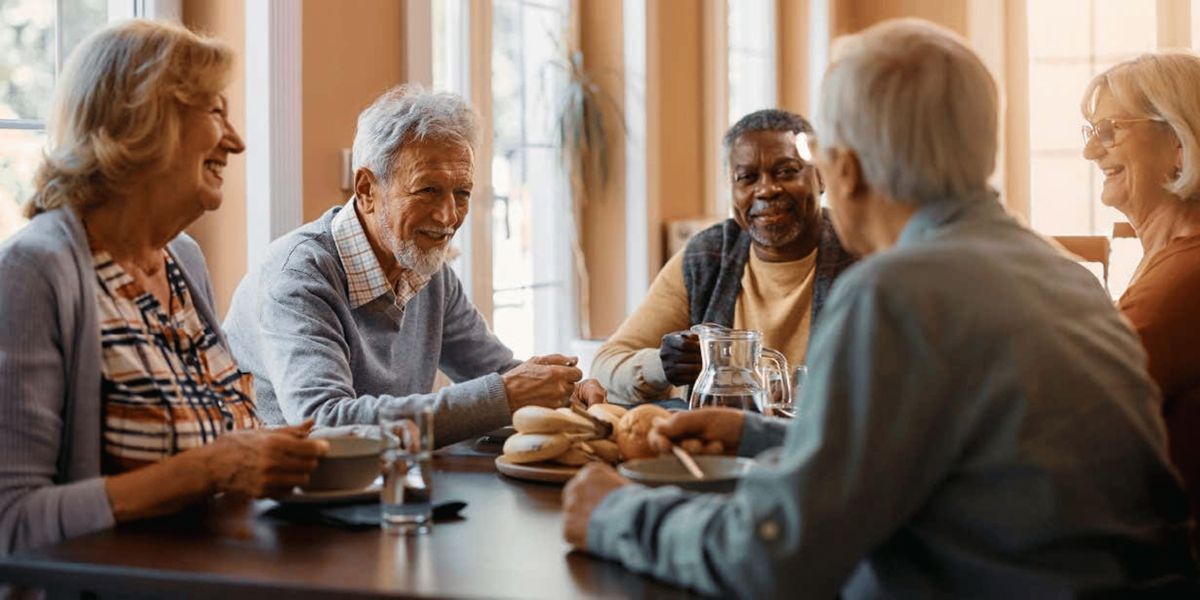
x,y
364,275
167,383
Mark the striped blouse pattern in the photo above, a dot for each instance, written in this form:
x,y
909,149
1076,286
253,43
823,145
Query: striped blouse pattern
x,y
167,383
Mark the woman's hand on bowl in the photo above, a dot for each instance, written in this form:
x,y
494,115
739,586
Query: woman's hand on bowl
x,y
264,462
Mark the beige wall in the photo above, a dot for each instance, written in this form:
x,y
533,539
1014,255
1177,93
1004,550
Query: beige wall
x,y
677,73
222,234
603,220
852,15
353,51
793,56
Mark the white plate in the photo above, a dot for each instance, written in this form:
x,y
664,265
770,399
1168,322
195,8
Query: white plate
x,y
299,496
535,471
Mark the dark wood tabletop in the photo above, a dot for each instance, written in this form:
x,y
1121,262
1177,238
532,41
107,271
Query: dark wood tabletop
x,y
507,544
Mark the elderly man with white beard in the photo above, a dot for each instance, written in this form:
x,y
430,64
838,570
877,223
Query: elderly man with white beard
x,y
357,310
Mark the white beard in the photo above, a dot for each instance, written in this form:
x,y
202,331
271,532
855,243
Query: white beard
x,y
410,256
422,262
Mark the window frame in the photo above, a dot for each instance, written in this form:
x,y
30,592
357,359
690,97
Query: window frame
x,y
116,10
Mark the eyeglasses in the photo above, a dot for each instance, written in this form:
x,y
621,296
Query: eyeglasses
x,y
1106,129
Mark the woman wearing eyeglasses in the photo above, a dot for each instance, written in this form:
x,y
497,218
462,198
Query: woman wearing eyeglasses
x,y
1144,122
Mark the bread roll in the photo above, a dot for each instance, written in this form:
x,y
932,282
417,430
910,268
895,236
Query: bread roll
x,y
608,412
634,428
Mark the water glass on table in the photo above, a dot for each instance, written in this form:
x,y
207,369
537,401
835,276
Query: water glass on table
x,y
406,500
784,406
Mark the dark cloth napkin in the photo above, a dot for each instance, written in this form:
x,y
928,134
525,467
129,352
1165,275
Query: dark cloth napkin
x,y
355,516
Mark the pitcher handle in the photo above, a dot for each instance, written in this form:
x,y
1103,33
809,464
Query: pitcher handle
x,y
773,366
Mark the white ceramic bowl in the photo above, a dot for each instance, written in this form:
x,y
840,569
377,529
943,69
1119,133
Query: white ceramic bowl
x,y
352,463
721,473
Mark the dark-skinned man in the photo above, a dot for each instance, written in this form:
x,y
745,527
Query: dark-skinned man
x,y
768,268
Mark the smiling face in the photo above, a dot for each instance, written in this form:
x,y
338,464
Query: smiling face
x,y
775,194
423,203
206,139
1144,156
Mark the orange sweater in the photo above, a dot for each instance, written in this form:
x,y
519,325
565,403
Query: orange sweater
x,y
1163,305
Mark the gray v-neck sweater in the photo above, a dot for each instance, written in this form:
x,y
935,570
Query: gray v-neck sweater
x,y
291,324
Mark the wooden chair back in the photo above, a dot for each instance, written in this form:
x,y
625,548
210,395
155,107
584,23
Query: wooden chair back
x,y
1088,248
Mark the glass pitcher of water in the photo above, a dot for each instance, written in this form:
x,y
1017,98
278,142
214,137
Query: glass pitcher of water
x,y
739,372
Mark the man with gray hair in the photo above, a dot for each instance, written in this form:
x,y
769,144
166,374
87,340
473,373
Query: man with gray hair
x,y
357,310
978,420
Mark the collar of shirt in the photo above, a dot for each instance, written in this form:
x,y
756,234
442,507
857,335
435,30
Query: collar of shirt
x,y
932,216
364,275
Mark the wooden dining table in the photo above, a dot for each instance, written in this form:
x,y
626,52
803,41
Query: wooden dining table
x,y
507,543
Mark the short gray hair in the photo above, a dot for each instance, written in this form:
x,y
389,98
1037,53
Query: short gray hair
x,y
1162,85
404,114
917,106
767,119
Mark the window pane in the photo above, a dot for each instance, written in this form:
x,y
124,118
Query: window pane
x,y
1060,196
26,58
1124,28
79,19
543,53
506,73
527,179
1059,29
1054,94
20,154
751,58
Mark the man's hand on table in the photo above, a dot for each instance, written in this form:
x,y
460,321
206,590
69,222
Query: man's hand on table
x,y
550,381
542,380
680,356
702,431
582,495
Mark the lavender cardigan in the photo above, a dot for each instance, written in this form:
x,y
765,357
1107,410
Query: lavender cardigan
x,y
50,424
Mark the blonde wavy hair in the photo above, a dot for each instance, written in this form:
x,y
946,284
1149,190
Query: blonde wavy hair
x,y
1163,85
118,108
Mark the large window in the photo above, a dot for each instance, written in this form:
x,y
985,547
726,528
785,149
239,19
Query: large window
x,y
35,37
531,205
521,210
1070,41
751,57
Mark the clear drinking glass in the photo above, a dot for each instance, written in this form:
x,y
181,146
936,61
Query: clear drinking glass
x,y
406,500
787,408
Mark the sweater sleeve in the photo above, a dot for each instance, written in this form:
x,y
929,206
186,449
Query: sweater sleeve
x,y
628,363
304,354
34,510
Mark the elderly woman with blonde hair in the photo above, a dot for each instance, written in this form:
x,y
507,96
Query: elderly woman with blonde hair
x,y
119,397
1143,132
